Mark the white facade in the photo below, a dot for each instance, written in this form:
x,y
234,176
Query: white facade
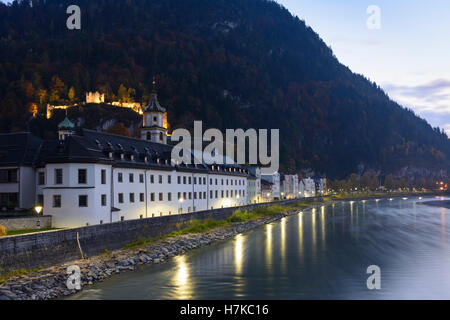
x,y
137,193
289,187
275,180
17,187
309,187
254,186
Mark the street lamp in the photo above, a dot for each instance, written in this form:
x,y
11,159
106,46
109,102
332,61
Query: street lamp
x,y
38,209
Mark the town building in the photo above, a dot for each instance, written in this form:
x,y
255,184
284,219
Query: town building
x,y
289,186
275,180
320,185
88,177
266,191
254,185
17,172
309,187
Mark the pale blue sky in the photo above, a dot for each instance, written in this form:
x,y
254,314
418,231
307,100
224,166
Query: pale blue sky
x,y
409,56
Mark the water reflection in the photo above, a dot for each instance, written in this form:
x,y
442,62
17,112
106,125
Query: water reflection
x,y
283,244
351,214
443,228
313,231
292,264
238,253
322,226
300,236
183,290
269,248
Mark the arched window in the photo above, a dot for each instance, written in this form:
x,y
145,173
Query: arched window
x,y
148,135
161,136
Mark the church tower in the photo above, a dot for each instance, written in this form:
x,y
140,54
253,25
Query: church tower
x,y
65,128
154,122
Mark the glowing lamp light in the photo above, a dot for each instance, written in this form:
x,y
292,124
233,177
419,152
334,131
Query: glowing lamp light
x,y
38,209
181,200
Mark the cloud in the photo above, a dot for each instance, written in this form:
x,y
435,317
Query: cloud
x,y
433,96
356,41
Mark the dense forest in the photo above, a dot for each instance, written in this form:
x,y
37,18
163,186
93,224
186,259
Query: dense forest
x,y
231,63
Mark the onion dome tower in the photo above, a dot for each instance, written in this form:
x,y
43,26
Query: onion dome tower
x,y
65,128
154,126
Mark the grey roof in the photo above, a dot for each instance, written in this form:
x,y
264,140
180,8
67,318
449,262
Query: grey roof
x,y
153,104
88,146
18,149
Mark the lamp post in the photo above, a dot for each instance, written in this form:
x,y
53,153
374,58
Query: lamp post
x,y
181,205
38,209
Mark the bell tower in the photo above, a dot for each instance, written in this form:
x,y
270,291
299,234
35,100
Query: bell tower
x,y
154,122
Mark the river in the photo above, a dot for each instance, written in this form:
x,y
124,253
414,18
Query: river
x,y
320,253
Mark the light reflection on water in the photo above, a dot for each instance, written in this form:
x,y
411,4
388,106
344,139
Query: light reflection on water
x,y
322,253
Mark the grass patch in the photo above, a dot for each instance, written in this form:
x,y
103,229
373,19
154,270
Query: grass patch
x,y
18,232
17,273
199,226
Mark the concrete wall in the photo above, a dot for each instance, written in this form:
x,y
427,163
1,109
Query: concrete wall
x,y
26,223
47,248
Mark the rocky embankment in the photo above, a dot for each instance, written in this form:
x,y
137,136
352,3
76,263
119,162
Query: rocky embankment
x,y
51,282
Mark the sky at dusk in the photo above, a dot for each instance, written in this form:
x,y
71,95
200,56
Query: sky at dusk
x,y
409,57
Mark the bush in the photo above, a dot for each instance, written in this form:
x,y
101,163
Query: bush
x,y
2,231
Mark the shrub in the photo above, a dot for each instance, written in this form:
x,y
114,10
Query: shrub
x,y
2,231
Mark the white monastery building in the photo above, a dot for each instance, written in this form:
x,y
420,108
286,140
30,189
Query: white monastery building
x,y
88,177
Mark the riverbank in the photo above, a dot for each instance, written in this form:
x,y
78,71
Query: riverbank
x,y
51,283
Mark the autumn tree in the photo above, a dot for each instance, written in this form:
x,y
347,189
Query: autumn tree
x,y
119,129
56,89
71,94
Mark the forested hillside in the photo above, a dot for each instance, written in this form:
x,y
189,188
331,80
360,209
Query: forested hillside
x,y
230,63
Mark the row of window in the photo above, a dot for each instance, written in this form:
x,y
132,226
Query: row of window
x,y
182,196
83,199
182,180
8,176
82,178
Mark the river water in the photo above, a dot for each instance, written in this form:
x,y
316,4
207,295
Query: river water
x,y
320,253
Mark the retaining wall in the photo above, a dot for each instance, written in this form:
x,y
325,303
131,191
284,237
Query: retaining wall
x,y
53,247
26,223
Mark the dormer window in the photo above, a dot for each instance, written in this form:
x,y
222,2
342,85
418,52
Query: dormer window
x,y
122,156
132,157
110,155
157,160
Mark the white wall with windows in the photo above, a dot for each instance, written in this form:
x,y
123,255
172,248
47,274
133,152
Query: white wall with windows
x,y
84,194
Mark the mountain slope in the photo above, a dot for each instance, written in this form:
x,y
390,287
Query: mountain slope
x,y
230,63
